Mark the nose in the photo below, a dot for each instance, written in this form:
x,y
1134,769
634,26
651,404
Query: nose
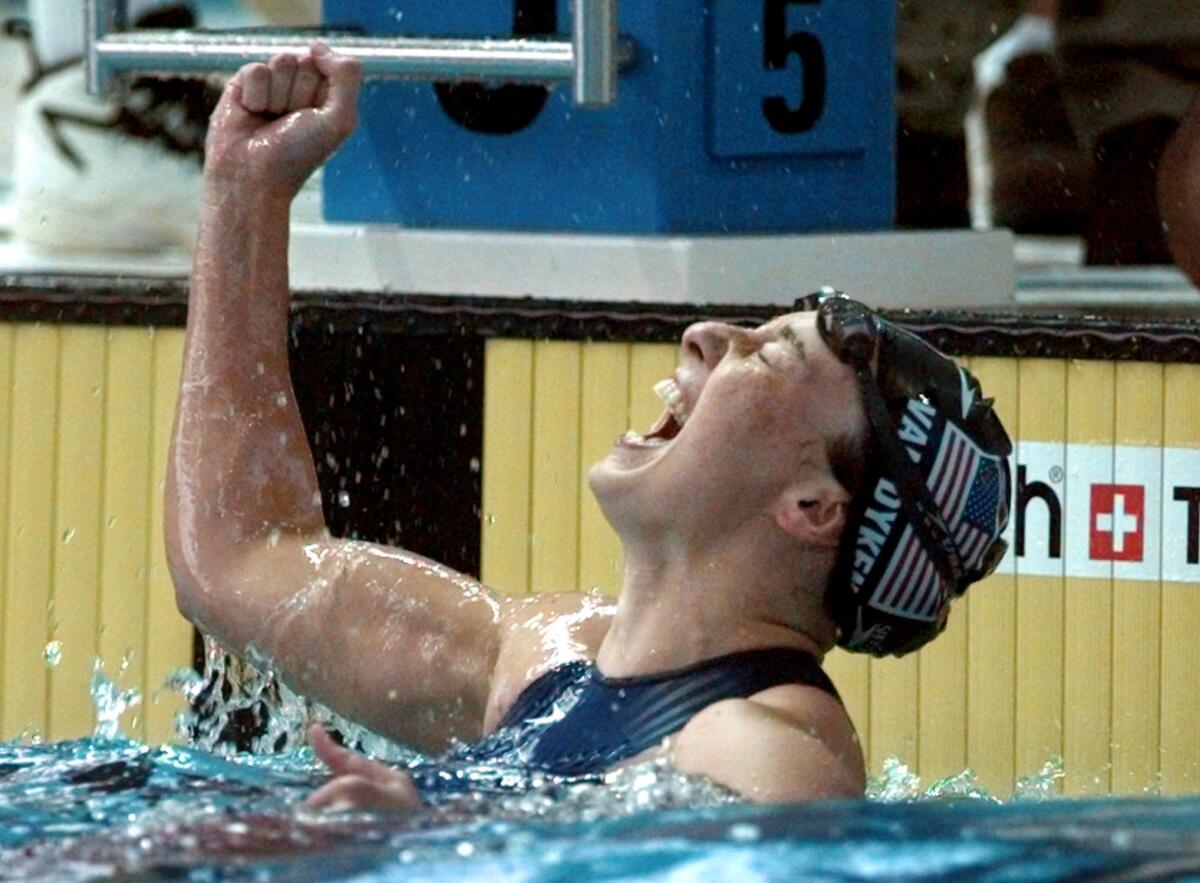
x,y
707,342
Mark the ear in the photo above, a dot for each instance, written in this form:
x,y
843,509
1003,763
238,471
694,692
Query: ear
x,y
814,510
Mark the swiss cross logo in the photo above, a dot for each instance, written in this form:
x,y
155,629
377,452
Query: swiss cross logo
x,y
1118,527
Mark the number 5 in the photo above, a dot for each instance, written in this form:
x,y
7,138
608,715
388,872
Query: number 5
x,y
778,44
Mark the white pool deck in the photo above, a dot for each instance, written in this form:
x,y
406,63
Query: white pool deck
x,y
920,269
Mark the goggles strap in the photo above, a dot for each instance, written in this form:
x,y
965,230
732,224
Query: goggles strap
x,y
916,501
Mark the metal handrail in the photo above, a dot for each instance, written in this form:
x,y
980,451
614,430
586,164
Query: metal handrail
x,y
589,61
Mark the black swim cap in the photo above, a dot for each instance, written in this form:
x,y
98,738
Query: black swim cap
x,y
935,495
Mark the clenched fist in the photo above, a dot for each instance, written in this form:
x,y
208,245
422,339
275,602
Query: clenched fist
x,y
280,121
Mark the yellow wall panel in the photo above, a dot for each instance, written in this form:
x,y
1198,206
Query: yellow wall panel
x,y
893,721
554,539
1136,610
30,562
85,415
604,415
123,565
1041,416
78,528
1087,661
168,634
1180,680
942,692
991,629
8,340
507,453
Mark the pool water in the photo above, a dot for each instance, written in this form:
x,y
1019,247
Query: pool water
x,y
111,808
103,809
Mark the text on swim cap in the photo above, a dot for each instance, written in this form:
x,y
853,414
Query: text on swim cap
x,y
874,530
915,423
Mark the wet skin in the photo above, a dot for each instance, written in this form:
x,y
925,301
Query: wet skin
x,y
729,527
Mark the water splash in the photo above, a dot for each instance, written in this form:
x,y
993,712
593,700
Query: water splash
x,y
231,690
1040,785
110,702
898,784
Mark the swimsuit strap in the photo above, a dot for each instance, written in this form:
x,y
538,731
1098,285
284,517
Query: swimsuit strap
x,y
575,720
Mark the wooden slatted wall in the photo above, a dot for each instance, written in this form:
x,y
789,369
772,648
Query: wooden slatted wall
x,y
1098,670
85,419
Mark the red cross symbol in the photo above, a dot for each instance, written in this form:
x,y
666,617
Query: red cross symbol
x,y
1118,523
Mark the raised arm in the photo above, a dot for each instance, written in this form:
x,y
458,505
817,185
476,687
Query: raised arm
x,y
396,642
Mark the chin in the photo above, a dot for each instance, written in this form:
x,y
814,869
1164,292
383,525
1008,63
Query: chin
x,y
617,493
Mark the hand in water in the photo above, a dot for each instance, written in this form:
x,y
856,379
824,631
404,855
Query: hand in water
x,y
359,782
278,122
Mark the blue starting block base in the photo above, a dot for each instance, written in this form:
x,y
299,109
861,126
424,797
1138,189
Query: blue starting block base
x,y
737,116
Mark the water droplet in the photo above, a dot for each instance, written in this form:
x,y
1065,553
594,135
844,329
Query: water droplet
x,y
343,499
68,535
281,399
475,464
52,655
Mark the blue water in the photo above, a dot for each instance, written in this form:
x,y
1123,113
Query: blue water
x,y
115,809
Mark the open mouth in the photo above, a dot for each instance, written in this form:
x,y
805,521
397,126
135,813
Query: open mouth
x,y
669,425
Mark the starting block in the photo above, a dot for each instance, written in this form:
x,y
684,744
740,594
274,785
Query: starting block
x,y
733,116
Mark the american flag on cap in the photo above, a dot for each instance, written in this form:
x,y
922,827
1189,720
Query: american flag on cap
x,y
966,484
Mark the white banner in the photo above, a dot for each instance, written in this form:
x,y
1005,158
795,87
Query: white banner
x,y
1105,511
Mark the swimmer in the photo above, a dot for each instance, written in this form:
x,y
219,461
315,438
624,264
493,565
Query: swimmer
x,y
822,479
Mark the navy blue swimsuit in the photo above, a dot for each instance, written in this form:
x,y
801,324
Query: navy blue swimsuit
x,y
573,722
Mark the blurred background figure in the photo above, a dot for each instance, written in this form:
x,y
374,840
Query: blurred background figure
x,y
1074,107
1028,169
937,41
118,173
984,137
1131,69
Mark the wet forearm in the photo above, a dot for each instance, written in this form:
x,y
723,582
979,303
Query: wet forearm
x,y
241,470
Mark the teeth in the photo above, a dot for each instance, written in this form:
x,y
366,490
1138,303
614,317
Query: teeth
x,y
668,391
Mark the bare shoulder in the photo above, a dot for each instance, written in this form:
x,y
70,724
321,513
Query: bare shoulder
x,y
538,632
787,743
